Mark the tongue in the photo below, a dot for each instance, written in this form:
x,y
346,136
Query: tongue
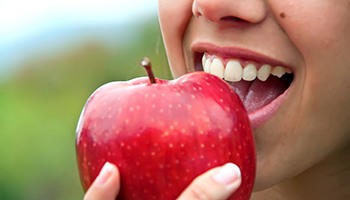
x,y
258,94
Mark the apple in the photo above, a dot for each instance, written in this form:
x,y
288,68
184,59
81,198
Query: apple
x,y
162,134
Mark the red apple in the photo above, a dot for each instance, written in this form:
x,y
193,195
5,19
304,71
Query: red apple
x,y
162,134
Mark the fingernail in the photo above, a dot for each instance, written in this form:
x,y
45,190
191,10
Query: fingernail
x,y
227,174
105,173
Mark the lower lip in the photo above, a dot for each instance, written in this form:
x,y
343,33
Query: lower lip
x,y
259,117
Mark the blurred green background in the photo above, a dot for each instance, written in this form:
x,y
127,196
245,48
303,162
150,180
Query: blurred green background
x,y
45,80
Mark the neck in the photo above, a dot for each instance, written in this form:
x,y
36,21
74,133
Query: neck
x,y
329,179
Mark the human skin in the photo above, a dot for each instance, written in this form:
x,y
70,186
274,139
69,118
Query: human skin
x,y
303,148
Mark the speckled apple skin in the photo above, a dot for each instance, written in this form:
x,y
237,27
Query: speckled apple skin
x,y
161,136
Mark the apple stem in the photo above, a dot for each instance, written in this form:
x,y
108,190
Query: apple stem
x,y
146,63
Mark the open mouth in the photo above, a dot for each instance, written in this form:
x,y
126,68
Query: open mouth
x,y
259,85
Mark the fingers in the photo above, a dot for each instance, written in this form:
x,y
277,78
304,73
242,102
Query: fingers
x,y
106,185
216,184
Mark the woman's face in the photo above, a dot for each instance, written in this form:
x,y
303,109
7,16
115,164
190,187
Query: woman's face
x,y
298,119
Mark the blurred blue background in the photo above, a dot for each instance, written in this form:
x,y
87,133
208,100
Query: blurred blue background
x,y
53,55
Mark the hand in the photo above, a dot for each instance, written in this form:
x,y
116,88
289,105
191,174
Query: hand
x,y
106,185
216,184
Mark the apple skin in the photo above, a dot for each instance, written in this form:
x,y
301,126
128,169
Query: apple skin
x,y
163,135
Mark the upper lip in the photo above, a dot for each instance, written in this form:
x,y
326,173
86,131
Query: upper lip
x,y
236,52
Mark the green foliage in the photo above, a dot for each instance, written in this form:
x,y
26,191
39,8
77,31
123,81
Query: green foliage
x,y
40,105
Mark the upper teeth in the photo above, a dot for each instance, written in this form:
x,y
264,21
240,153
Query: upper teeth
x,y
234,71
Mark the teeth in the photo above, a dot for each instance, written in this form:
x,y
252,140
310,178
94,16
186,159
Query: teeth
x,y
207,65
264,72
204,60
234,71
217,68
249,72
278,71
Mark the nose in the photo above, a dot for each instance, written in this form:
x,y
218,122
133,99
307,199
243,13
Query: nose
x,y
230,11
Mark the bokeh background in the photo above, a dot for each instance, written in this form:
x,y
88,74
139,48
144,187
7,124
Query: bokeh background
x,y
53,55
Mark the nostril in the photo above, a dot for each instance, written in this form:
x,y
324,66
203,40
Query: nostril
x,y
230,12
231,19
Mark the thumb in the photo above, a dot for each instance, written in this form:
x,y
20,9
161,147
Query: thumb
x,y
216,184
106,185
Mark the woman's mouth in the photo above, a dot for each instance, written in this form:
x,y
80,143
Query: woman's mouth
x,y
262,87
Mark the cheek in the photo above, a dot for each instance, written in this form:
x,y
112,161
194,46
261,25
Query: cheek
x,y
314,28
322,36
174,17
324,43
